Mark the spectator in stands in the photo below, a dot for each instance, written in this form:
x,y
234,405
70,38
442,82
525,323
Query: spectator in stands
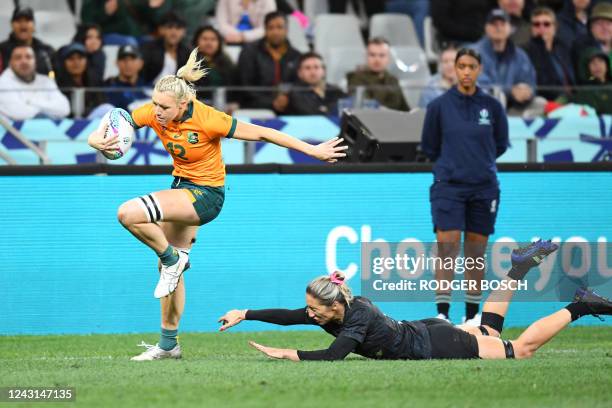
x,y
242,21
381,84
598,94
416,9
90,35
221,69
520,25
549,56
600,36
370,7
311,94
27,94
555,5
117,19
129,62
195,12
287,9
125,21
460,21
269,62
573,20
22,24
443,80
75,73
504,64
165,55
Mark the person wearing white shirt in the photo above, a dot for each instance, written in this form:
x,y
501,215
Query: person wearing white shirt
x,y
24,94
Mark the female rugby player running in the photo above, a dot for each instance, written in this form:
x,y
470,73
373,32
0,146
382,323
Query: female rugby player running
x,y
167,220
360,327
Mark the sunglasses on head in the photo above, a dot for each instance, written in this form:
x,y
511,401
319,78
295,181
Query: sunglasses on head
x,y
541,23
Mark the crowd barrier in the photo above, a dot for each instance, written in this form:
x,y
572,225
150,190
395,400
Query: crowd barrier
x,y
69,266
571,139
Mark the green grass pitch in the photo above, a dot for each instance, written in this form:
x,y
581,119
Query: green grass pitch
x,y
218,370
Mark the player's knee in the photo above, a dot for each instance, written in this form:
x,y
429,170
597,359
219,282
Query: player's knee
x,y
522,350
124,214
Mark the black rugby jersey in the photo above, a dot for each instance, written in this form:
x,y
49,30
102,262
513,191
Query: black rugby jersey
x,y
365,330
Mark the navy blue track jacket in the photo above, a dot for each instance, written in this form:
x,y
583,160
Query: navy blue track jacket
x,y
464,134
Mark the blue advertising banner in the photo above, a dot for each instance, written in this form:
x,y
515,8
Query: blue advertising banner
x,y
571,139
69,266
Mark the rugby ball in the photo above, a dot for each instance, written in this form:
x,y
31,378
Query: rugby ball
x,y
119,123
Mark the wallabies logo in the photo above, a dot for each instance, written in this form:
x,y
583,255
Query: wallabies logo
x,y
192,137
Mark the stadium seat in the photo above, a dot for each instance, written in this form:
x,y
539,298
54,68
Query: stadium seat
x,y
342,60
409,65
312,8
297,36
254,113
335,31
48,5
110,68
55,28
5,24
398,29
432,50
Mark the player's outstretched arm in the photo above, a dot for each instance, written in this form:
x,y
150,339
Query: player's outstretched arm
x,y
283,317
276,353
231,318
341,347
329,151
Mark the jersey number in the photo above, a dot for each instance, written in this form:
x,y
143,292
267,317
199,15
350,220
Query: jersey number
x,y
176,150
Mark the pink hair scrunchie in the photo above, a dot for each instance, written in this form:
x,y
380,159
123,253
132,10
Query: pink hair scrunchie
x,y
335,279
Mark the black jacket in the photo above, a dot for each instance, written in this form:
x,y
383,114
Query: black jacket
x,y
221,72
460,21
44,53
307,102
92,98
153,57
257,68
570,28
543,62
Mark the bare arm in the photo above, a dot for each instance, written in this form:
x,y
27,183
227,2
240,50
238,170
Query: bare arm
x,y
329,151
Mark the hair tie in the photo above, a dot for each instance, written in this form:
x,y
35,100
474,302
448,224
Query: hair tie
x,y
335,279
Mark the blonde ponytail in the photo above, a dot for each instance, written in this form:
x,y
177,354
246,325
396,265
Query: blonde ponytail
x,y
192,70
330,288
181,84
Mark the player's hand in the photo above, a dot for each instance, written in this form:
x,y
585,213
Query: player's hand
x,y
329,151
98,141
271,352
231,318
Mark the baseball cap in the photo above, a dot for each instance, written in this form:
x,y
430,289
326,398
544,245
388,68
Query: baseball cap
x,y
128,50
498,14
74,48
602,11
22,12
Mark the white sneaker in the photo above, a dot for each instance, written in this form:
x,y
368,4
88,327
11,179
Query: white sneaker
x,y
170,275
474,321
155,353
442,316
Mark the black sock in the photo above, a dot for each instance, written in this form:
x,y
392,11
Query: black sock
x,y
493,320
470,310
578,309
443,308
